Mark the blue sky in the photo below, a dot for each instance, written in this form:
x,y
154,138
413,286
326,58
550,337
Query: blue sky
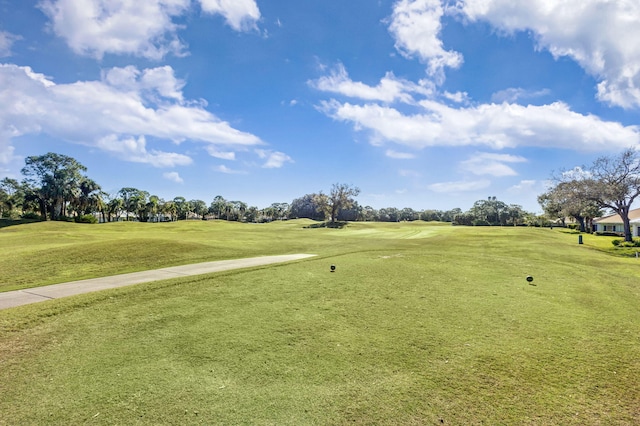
x,y
426,104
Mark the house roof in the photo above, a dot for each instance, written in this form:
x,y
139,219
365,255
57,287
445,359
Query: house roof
x,y
634,216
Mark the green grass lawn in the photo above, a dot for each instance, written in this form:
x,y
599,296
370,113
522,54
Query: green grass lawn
x,y
420,324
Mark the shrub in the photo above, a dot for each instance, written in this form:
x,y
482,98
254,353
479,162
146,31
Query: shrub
x,y
622,243
86,218
608,233
481,222
10,214
32,215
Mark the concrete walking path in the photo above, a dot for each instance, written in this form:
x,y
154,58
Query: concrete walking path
x,y
11,299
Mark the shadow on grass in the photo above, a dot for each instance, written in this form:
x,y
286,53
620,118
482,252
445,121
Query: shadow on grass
x,y
336,225
11,222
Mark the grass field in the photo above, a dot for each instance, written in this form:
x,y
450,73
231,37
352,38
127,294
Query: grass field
x,y
420,324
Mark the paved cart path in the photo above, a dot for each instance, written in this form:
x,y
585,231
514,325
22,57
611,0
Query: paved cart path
x,y
11,299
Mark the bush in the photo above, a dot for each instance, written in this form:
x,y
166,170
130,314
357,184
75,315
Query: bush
x,y
608,234
32,216
481,222
622,243
86,218
10,214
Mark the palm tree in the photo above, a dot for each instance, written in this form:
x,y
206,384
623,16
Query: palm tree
x,y
169,208
114,207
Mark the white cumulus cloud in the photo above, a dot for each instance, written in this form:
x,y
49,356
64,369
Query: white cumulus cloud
x,y
135,150
6,42
241,15
515,94
598,34
459,186
133,27
226,170
223,155
144,28
415,26
493,125
273,159
399,155
484,163
120,114
173,176
390,88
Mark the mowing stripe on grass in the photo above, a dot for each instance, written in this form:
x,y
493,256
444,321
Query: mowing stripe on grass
x,y
12,299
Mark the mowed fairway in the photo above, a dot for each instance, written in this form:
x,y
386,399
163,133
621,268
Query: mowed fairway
x,y
419,324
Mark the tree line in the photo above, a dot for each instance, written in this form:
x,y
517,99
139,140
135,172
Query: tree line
x,y
56,187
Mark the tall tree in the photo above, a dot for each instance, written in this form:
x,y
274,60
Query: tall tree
x,y
135,201
88,196
12,197
305,207
218,206
612,182
491,211
152,208
114,208
183,207
567,199
199,207
340,197
55,178
170,209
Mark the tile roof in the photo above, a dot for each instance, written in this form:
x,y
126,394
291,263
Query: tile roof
x,y
634,215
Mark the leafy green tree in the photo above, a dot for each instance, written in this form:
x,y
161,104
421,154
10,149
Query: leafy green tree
x,y
466,219
368,214
199,207
449,215
252,214
491,210
218,206
152,208
551,207
567,199
340,197
408,214
388,214
114,208
12,197
431,215
613,182
305,207
515,214
170,209
135,202
55,180
280,211
183,207
88,197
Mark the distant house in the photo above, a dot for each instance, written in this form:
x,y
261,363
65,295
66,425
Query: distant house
x,y
613,223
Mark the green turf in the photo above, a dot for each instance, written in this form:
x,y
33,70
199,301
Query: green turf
x,y
420,324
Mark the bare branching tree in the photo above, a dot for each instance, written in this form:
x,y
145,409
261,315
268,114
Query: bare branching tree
x,y
611,182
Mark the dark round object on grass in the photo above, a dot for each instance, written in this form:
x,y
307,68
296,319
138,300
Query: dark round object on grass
x,y
529,278
333,268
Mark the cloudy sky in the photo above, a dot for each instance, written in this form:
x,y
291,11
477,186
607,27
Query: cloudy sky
x,y
422,104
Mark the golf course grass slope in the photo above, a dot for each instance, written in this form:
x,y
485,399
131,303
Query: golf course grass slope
x,y
420,324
